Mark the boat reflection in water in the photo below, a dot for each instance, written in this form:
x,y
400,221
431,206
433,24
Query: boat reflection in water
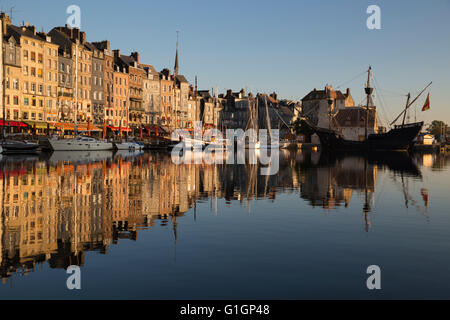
x,y
333,178
55,208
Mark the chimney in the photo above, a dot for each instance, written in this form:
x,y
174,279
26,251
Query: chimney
x,y
116,53
32,29
83,37
6,21
348,92
135,56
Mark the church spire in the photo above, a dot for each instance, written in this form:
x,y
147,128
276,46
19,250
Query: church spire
x,y
175,68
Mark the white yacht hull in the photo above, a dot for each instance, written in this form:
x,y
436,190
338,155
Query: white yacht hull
x,y
79,145
128,146
124,146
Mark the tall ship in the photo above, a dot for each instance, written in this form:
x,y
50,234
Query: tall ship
x,y
398,138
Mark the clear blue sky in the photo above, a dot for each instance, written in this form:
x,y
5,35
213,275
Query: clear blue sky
x,y
289,47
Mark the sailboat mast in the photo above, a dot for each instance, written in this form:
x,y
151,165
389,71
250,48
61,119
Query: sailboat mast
x,y
411,103
76,88
2,78
406,107
268,119
368,91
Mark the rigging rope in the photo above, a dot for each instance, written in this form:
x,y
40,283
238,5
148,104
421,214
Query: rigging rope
x,y
356,77
386,114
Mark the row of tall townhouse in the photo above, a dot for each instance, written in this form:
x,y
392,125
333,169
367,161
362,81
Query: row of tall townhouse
x,y
60,77
30,70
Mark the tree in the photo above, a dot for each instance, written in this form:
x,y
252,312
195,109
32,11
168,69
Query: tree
x,y
437,128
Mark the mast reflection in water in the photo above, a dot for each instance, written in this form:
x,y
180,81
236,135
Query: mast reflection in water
x,y
222,218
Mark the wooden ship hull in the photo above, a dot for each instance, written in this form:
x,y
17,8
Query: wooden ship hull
x,y
400,138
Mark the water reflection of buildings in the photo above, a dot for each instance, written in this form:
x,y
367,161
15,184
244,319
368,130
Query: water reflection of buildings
x,y
333,185
55,211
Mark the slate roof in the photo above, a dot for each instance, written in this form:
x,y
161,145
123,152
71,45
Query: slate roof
x,y
355,117
17,32
324,94
180,78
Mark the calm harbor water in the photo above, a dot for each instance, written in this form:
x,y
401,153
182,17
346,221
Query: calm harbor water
x,y
142,227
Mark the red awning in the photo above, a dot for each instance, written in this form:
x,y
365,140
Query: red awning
x,y
117,128
154,128
14,124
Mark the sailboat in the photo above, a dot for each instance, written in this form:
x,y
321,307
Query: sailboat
x,y
268,144
124,144
253,121
399,138
78,143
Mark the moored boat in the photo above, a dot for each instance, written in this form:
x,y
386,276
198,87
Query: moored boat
x,y
79,143
124,145
399,138
13,146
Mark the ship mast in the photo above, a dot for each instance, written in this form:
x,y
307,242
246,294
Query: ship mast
x,y
406,107
368,91
411,103
3,81
76,88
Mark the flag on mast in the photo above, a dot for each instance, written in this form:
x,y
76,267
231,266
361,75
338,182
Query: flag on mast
x,y
426,106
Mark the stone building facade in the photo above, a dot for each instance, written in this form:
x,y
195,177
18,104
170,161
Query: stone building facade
x,y
108,81
65,85
135,83
181,92
118,115
167,99
12,74
151,94
75,39
39,79
97,84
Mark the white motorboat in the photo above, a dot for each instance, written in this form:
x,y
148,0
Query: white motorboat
x,y
124,145
128,145
79,143
138,145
